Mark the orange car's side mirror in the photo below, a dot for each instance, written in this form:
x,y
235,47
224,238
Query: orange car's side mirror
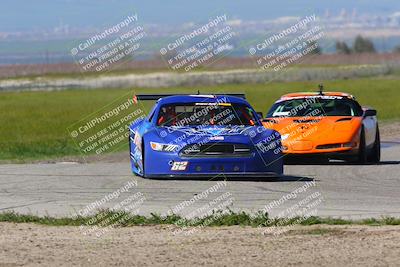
x,y
370,113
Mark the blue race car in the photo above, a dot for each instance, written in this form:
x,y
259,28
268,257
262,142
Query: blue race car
x,y
203,136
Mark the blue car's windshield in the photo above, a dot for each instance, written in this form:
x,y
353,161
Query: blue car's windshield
x,y
196,114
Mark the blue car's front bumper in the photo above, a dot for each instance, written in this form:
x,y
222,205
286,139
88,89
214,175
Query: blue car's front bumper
x,y
161,164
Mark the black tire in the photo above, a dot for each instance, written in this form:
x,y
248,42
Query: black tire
x,y
375,153
129,143
143,176
362,156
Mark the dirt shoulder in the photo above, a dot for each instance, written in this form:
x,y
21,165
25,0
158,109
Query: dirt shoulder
x,y
31,245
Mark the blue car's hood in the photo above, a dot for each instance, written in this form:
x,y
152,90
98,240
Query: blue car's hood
x,y
231,134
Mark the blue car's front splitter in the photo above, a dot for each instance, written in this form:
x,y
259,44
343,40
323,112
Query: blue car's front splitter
x,y
214,176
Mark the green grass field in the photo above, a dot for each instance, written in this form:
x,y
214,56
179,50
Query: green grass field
x,y
216,219
33,125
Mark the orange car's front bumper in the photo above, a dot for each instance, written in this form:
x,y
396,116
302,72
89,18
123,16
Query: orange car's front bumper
x,y
308,147
322,135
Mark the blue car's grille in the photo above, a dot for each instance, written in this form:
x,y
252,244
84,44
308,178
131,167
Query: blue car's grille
x,y
216,150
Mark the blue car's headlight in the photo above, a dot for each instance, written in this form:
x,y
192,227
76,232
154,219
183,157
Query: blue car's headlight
x,y
163,147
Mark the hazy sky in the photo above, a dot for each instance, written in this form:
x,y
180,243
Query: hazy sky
x,y
28,14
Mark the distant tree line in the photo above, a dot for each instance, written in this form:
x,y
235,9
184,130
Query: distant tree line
x,y
360,45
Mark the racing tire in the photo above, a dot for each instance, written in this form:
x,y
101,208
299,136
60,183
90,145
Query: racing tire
x,y
375,153
143,176
362,156
129,143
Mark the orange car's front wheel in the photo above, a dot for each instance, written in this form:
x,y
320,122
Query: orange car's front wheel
x,y
372,155
362,156
375,153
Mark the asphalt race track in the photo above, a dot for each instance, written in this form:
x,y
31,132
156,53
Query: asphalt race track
x,y
347,191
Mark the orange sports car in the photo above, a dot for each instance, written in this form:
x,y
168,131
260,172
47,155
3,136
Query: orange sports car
x,y
330,125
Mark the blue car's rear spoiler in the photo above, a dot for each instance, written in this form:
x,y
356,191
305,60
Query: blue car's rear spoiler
x,y
158,96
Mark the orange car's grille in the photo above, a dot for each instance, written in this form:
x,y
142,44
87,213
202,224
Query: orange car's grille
x,y
330,146
306,121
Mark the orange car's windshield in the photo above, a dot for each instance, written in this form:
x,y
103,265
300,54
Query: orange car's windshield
x,y
329,106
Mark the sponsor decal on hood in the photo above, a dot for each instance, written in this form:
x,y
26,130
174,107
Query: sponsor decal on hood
x,y
210,131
